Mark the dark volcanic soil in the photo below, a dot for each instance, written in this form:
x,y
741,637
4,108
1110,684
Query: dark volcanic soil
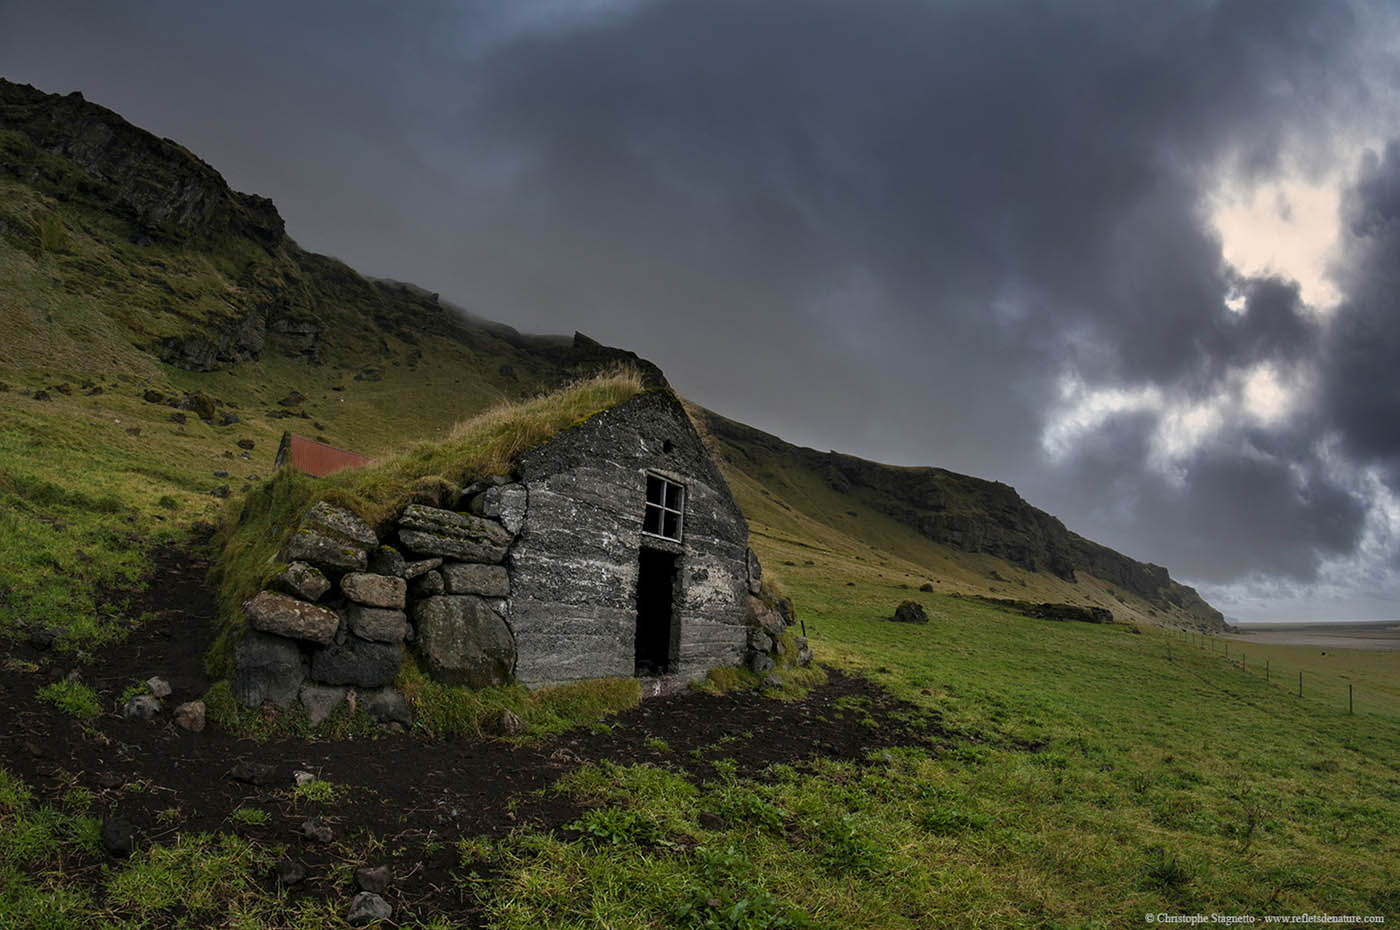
x,y
415,794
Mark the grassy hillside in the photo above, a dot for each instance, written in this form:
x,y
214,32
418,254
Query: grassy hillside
x,y
807,510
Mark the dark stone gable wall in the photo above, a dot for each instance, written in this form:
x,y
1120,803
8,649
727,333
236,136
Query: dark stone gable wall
x,y
573,567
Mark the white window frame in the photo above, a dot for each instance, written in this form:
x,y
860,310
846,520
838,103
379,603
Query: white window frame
x,y
648,506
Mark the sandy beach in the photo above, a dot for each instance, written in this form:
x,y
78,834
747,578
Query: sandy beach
x,y
1372,637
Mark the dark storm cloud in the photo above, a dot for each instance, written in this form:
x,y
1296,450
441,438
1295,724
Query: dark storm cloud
x,y
889,228
1363,351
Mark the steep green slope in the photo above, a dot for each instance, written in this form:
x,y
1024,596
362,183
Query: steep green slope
x,y
914,526
159,331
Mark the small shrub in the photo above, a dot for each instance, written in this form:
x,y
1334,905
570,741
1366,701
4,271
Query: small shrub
x,y
317,791
73,698
1164,872
250,816
612,827
846,848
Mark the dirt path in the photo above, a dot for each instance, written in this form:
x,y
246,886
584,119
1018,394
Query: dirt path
x,y
413,794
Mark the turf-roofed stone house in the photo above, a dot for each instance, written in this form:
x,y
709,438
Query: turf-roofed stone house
x,y
613,549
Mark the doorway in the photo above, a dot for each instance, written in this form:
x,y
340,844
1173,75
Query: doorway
x,y
658,641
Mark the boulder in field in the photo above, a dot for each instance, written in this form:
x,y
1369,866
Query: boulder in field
x,y
190,716
910,612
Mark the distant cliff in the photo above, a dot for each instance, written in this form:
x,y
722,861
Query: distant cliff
x,y
974,515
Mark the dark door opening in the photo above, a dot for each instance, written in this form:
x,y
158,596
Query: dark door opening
x,y
657,642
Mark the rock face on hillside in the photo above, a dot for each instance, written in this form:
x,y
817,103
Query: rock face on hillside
x,y
263,294
974,515
163,187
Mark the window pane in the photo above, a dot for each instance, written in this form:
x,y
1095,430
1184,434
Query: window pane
x,y
673,525
673,496
655,489
652,523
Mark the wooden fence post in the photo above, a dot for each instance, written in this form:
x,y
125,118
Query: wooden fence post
x,y
1348,698
1300,684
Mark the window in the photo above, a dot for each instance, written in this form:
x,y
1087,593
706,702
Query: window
x,y
665,505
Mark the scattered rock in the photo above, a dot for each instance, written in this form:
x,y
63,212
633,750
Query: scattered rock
x,y
320,701
245,444
303,580
289,873
110,780
281,615
771,682
755,572
464,641
302,779
201,404
228,419
508,723
133,431
253,773
366,909
159,687
804,651
178,417
430,531
42,395
291,400
221,473
42,639
118,837
153,397
388,706
469,578
910,612
267,668
190,716
926,587
709,821
221,491
143,707
317,831
375,590
374,880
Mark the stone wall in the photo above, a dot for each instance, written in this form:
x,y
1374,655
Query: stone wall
x,y
531,579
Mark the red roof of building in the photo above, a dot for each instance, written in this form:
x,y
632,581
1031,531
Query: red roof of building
x,y
315,458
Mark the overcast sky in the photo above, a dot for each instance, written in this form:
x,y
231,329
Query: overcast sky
x,y
1137,259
